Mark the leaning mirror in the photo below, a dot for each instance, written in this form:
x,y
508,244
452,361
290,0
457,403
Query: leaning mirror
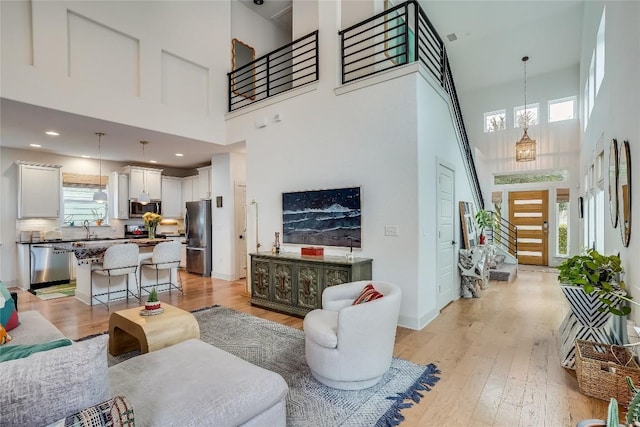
x,y
243,79
624,192
613,182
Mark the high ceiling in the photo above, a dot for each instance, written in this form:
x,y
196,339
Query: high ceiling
x,y
492,37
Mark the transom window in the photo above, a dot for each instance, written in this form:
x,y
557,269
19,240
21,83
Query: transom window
x,y
525,178
495,121
562,109
522,120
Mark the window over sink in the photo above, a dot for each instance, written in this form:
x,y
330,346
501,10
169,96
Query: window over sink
x,y
77,194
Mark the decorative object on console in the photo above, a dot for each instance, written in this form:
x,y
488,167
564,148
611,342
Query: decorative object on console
x,y
311,251
151,221
277,243
322,217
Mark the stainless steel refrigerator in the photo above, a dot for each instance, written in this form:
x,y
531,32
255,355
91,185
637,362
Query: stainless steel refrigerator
x,y
197,225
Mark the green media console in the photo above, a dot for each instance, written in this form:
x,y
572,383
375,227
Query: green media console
x,y
293,284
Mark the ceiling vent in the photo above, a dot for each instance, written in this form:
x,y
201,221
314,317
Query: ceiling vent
x,y
452,37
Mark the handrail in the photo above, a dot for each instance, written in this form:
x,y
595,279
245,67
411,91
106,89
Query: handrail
x,y
504,234
287,67
395,37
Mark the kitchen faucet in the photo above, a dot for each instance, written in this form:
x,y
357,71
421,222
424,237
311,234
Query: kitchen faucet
x,y
85,225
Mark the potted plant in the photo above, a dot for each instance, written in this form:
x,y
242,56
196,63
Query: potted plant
x,y
152,301
484,219
598,276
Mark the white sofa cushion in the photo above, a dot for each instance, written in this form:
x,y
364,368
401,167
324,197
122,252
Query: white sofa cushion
x,y
47,386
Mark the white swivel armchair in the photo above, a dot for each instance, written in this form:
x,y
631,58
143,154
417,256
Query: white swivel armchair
x,y
350,347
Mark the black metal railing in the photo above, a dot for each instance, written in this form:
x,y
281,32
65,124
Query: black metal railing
x,y
395,37
504,234
288,67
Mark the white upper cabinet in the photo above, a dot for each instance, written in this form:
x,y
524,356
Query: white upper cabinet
x,y
171,197
204,183
144,179
39,190
189,190
119,186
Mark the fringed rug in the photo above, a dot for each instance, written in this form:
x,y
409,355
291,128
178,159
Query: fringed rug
x,y
280,349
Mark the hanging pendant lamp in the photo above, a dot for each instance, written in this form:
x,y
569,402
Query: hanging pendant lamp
x,y
526,147
144,197
100,196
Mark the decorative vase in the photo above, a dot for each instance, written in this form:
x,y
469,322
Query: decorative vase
x,y
152,232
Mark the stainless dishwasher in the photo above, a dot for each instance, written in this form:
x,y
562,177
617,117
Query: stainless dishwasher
x,y
48,266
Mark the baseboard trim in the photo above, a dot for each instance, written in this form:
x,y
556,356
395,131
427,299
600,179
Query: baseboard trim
x,y
415,323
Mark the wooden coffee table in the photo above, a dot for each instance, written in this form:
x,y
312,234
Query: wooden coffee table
x,y
129,330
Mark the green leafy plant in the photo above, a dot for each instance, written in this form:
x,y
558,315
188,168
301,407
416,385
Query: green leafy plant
x,y
153,295
485,219
598,273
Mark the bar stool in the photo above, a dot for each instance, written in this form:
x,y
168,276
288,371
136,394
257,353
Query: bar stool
x,y
166,256
117,261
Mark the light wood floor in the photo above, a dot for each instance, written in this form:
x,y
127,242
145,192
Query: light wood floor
x,y
498,354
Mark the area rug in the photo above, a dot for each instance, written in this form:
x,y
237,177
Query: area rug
x,y
57,291
280,348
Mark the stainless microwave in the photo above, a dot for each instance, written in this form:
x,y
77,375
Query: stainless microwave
x,y
137,209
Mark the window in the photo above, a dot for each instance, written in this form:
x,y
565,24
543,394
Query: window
x,y
495,120
77,193
585,105
592,81
562,222
562,109
520,120
525,178
599,71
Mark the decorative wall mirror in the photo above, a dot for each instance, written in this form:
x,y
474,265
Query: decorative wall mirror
x,y
243,83
468,223
613,182
624,192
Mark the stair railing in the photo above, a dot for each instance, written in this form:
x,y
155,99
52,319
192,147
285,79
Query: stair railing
x,y
504,234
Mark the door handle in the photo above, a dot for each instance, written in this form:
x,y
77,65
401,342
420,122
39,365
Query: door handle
x,y
453,242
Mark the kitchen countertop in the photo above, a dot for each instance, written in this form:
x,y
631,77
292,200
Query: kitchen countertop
x,y
96,239
89,250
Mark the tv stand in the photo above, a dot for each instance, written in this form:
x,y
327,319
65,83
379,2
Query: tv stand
x,y
293,284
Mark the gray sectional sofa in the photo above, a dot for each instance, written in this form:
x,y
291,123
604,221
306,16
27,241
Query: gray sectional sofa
x,y
190,383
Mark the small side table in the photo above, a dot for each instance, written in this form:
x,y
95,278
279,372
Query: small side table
x,y
129,330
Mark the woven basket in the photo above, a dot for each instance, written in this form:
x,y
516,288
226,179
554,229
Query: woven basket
x,y
601,370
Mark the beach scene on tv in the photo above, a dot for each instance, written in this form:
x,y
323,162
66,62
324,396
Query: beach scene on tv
x,y
322,217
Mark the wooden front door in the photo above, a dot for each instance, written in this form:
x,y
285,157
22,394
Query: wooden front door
x,y
528,210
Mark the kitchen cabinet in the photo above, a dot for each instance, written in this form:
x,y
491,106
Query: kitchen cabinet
x,y
204,183
39,190
189,190
119,189
171,197
293,284
144,179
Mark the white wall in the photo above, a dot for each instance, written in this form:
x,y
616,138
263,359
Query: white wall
x,y
371,137
616,114
154,64
252,29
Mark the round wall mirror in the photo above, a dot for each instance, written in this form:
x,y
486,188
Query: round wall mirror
x,y
613,182
624,192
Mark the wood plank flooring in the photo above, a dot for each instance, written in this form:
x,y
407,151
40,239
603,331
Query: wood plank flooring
x,y
498,354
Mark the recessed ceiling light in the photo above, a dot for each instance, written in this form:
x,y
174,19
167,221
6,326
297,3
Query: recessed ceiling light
x,y
52,133
84,156
35,145
153,161
179,155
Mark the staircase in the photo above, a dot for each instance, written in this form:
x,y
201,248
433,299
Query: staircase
x,y
504,237
503,271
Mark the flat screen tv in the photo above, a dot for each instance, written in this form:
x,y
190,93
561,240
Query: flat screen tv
x,y
322,217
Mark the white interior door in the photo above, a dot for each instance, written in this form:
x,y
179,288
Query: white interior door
x,y
240,198
446,289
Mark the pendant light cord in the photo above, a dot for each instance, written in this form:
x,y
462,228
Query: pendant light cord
x,y
526,117
100,161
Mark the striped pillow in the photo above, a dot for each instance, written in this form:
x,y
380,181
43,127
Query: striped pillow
x,y
368,293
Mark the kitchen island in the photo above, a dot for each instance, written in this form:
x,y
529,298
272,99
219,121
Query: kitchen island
x,y
87,253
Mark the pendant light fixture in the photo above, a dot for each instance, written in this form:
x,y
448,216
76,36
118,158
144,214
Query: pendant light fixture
x,y
526,147
100,196
144,197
